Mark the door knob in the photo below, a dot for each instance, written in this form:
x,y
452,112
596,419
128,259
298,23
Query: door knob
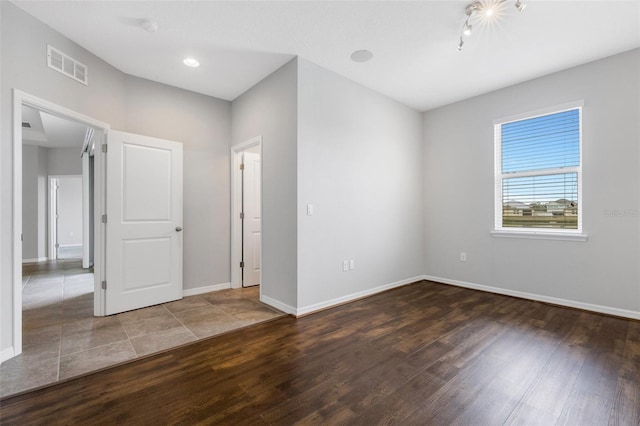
x,y
178,228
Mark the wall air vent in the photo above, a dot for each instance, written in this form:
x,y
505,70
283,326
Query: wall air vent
x,y
26,124
67,65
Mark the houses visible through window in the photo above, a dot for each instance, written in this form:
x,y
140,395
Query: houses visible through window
x,y
539,172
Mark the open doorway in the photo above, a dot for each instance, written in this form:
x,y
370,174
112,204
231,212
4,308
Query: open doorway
x,y
56,173
50,140
246,268
56,208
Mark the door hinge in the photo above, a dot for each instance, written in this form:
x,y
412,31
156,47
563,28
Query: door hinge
x,y
242,215
57,245
104,147
104,218
241,166
104,285
242,264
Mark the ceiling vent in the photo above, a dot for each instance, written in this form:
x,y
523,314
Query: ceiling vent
x,y
67,65
26,125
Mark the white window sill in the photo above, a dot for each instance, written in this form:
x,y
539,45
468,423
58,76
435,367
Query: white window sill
x,y
539,235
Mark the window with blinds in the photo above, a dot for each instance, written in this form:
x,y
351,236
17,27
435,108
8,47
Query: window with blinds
x,y
539,172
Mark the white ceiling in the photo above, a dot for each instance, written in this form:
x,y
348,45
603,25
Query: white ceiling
x,y
50,131
415,60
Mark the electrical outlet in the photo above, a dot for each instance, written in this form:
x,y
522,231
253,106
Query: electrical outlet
x,y
309,209
352,265
463,256
345,265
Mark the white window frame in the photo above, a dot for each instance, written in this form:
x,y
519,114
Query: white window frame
x,y
535,233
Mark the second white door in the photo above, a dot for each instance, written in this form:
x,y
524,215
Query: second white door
x,y
251,235
144,222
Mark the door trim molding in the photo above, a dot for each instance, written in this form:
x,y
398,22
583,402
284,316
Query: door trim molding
x,y
236,190
22,98
205,289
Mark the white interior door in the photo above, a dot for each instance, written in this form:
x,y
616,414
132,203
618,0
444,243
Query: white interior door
x,y
86,210
144,222
252,234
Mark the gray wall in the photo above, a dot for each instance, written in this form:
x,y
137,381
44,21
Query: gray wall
x,y
359,164
64,161
269,109
459,190
203,125
70,211
34,202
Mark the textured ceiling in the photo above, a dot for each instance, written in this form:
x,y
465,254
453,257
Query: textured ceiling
x,y
415,60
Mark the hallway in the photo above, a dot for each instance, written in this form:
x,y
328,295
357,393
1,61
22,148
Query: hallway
x,y
62,338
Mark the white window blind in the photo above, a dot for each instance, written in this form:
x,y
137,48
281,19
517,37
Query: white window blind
x,y
538,173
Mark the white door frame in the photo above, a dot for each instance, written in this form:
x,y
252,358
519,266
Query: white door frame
x,y
21,98
236,202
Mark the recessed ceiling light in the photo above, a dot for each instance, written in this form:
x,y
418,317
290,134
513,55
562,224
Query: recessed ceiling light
x,y
149,26
191,62
361,56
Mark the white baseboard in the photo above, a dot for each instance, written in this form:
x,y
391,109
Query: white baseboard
x,y
278,305
36,259
354,296
69,245
7,354
205,289
540,298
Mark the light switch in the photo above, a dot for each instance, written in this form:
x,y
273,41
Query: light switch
x,y
309,209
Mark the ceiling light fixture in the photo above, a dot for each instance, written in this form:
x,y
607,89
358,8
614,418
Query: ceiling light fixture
x,y
488,9
191,62
361,56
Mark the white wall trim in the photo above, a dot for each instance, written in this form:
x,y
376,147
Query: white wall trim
x,y
579,103
69,245
34,260
354,296
6,354
540,298
537,235
205,289
278,305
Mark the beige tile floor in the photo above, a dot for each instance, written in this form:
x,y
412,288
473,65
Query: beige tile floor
x,y
62,338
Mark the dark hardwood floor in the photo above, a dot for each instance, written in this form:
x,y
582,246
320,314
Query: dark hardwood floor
x,y
425,353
